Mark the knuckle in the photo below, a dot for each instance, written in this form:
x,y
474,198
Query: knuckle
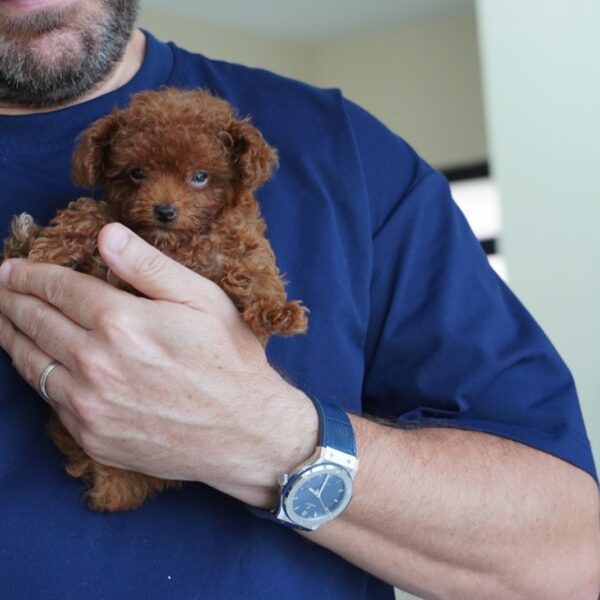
x,y
117,326
113,320
92,364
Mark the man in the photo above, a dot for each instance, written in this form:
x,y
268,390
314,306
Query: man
x,y
487,492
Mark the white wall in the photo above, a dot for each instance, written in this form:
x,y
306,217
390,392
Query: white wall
x,y
541,64
214,41
422,80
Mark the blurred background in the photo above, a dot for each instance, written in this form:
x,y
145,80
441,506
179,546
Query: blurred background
x,y
504,97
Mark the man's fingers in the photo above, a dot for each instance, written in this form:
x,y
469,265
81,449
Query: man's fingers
x,y
150,271
80,297
30,361
49,329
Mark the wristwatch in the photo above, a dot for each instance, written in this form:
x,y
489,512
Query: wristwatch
x,y
320,489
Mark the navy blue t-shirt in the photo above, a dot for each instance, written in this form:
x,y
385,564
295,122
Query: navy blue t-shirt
x,y
408,322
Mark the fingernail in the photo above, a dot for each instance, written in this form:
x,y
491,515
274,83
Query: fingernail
x,y
117,239
5,272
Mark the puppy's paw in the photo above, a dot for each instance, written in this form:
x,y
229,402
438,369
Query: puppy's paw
x,y
286,320
24,231
292,319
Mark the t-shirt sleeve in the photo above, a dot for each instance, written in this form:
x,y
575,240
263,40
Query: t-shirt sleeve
x,y
448,342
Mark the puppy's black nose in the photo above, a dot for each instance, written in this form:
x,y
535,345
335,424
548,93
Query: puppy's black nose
x,y
165,212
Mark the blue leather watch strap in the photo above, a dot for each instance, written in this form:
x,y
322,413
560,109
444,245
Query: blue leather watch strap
x,y
270,515
335,429
335,432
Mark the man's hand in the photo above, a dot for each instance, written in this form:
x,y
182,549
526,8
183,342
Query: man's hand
x,y
174,385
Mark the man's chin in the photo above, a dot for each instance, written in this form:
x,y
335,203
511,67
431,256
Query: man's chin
x,y
54,55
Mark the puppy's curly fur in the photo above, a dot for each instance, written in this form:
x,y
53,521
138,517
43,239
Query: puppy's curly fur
x,y
179,168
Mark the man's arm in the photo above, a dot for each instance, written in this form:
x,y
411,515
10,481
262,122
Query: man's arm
x,y
442,512
447,513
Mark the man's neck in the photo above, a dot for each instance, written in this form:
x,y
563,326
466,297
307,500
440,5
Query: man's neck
x,y
124,71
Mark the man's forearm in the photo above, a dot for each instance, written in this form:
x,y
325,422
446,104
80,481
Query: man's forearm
x,y
447,513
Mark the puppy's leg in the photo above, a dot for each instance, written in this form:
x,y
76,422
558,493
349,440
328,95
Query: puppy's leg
x,y
117,489
71,238
258,291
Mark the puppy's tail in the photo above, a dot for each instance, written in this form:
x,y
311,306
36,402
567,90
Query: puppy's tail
x,y
24,231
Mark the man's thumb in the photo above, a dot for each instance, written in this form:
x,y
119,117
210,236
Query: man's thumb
x,y
150,271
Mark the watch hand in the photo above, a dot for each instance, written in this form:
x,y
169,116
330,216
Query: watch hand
x,y
324,507
324,484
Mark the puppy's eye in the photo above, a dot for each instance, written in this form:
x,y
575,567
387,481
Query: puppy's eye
x,y
137,175
200,179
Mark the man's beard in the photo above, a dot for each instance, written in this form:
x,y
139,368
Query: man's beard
x,y
96,39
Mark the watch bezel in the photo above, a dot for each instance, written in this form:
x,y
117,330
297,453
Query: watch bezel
x,y
300,479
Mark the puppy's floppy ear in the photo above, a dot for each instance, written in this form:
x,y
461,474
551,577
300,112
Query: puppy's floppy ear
x,y
89,158
254,158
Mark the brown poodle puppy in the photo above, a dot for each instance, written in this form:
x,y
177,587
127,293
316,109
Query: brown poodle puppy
x,y
180,169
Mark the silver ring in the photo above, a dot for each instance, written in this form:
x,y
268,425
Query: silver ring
x,y
44,377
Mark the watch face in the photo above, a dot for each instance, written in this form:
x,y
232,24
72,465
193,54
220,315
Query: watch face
x,y
318,495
